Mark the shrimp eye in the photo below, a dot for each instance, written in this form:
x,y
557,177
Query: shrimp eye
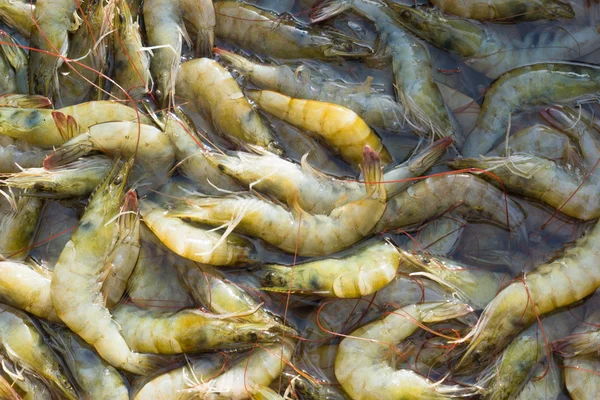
x,y
118,180
405,14
121,18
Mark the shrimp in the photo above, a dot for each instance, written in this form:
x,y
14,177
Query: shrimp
x,y
192,242
18,14
75,289
96,378
213,90
38,126
78,178
440,237
585,339
539,140
493,52
23,344
53,21
168,24
314,191
19,226
132,63
364,367
436,194
266,33
17,58
27,287
536,85
8,82
507,10
250,376
186,331
358,274
548,386
376,109
344,131
411,65
582,376
295,231
153,150
552,285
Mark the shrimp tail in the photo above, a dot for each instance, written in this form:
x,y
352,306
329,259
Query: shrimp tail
x,y
205,42
428,157
66,154
66,125
455,391
371,167
241,64
25,101
576,344
329,9
443,311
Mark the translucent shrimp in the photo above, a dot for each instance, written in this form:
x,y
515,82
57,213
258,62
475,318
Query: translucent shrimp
x,y
358,274
582,376
213,90
266,33
23,344
440,236
50,34
18,15
552,285
376,109
585,338
411,65
539,140
364,367
192,242
493,52
18,153
339,127
75,289
170,23
19,226
78,178
507,10
437,194
295,231
186,331
536,85
38,126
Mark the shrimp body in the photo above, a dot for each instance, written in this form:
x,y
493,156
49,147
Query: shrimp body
x,y
18,14
582,376
295,231
539,140
19,226
213,90
507,10
344,131
536,85
75,289
363,363
359,274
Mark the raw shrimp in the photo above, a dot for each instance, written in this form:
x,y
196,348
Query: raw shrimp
x,y
437,194
364,367
96,378
17,58
18,14
339,127
8,82
439,237
78,178
539,140
552,285
585,339
314,191
19,226
295,231
213,90
26,286
507,10
540,386
250,376
493,52
192,242
80,270
38,126
266,33
376,109
168,24
186,331
582,376
525,87
53,21
411,66
358,274
24,345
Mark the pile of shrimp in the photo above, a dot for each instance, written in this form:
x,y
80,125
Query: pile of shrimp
x,y
332,199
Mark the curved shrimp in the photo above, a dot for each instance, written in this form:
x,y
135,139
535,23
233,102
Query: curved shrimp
x,y
358,274
18,14
264,32
507,10
551,285
213,90
363,363
314,191
19,226
75,291
525,87
339,127
295,231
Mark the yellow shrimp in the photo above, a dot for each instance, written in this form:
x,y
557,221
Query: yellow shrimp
x,y
582,376
507,10
344,131
213,90
19,226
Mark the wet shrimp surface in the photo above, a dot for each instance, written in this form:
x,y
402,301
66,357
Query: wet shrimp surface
x,y
299,199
